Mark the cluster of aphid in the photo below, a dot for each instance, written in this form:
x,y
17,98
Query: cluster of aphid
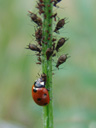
x,y
39,92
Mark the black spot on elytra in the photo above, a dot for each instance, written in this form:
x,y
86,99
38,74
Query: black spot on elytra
x,y
45,94
39,99
45,103
34,90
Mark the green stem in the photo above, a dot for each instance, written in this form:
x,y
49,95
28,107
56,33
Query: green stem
x,y
47,64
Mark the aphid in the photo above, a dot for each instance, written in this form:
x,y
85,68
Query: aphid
x,y
38,63
41,1
41,4
53,39
45,16
38,54
39,59
60,43
39,92
53,46
59,25
49,52
33,47
54,54
35,18
61,60
38,35
55,2
44,77
40,7
54,16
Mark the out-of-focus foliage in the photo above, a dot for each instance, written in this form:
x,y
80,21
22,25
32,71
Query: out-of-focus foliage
x,y
74,86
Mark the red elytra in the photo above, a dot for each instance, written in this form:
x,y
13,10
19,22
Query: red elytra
x,y
40,93
40,96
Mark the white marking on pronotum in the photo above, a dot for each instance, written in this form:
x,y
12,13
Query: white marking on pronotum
x,y
35,88
42,83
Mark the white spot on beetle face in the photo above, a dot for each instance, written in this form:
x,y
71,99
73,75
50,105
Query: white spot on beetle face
x,y
42,83
35,88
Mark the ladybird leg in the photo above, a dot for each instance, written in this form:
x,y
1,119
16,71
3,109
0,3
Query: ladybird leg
x,y
48,89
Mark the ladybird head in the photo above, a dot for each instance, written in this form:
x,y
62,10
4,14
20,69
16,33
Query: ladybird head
x,y
39,83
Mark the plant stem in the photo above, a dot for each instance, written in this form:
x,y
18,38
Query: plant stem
x,y
47,64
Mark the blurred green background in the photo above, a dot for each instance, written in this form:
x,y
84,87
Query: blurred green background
x,y
74,86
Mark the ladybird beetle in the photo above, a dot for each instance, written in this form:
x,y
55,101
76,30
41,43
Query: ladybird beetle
x,y
39,92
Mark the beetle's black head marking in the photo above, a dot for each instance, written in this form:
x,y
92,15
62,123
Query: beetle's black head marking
x,y
35,83
34,90
39,83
